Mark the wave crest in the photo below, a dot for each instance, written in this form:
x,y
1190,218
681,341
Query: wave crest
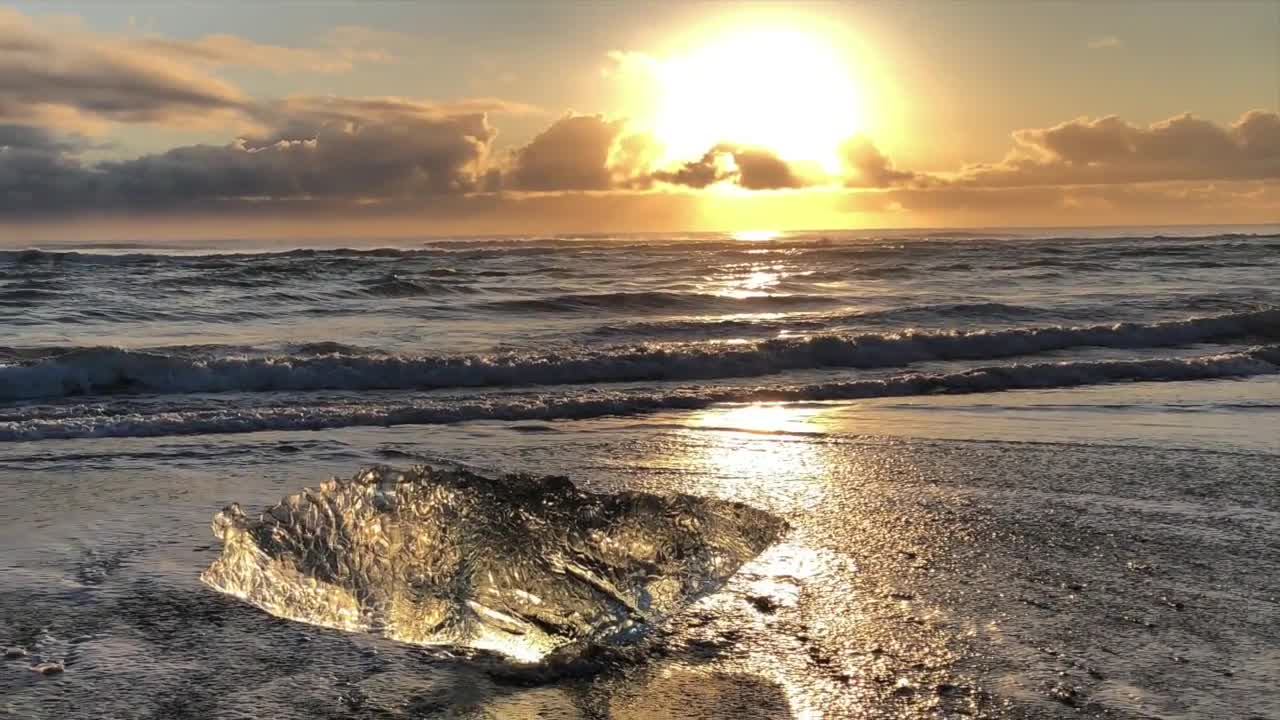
x,y
110,371
40,423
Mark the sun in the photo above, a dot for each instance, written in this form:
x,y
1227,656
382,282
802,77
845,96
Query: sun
x,y
787,90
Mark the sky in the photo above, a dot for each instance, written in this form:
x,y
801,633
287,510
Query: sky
x,y
377,119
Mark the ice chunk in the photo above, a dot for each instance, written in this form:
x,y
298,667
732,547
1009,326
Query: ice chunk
x,y
518,565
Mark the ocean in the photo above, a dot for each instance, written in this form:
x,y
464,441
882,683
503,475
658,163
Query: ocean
x,y
1026,474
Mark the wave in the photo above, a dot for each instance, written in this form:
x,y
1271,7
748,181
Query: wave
x,y
434,558
396,286
1055,242
725,326
112,371
659,300
223,418
24,297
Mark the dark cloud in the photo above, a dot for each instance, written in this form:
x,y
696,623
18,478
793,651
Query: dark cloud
x,y
750,167
374,157
760,169
711,168
572,154
27,137
37,169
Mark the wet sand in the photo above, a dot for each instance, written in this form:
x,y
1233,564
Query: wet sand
x,y
922,578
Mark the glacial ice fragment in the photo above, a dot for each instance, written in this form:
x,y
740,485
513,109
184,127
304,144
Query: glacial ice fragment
x,y
519,565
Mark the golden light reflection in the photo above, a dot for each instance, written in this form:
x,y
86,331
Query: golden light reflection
x,y
765,454
752,453
761,280
743,280
754,284
760,417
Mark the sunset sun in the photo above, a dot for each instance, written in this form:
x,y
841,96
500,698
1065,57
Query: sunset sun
x,y
789,91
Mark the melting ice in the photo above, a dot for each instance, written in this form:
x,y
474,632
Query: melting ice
x,y
523,566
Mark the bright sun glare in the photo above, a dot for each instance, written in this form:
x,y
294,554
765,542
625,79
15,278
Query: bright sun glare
x,y
755,235
786,90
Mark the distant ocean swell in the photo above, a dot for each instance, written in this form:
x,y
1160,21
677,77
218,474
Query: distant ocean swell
x,y
229,418
106,371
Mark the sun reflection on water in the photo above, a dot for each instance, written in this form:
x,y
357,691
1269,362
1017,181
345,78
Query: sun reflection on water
x,y
762,417
772,456
747,280
763,454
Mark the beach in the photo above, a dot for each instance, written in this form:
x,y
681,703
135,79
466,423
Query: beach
x,y
1045,496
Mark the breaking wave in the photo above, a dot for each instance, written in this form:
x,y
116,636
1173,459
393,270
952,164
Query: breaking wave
x,y
40,423
107,371
529,568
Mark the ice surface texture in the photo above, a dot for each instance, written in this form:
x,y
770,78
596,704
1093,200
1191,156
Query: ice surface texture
x,y
520,565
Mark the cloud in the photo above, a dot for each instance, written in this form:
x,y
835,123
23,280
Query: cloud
x,y
57,74
342,156
298,116
761,169
355,155
572,154
1103,151
1148,204
1104,42
378,157
1183,169
26,137
35,167
1109,150
225,50
713,167
867,167
752,168
632,156
77,78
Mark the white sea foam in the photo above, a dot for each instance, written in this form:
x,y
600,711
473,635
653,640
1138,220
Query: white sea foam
x,y
581,403
111,371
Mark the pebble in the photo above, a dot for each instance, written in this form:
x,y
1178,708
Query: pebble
x,y
49,668
764,604
948,690
1065,694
